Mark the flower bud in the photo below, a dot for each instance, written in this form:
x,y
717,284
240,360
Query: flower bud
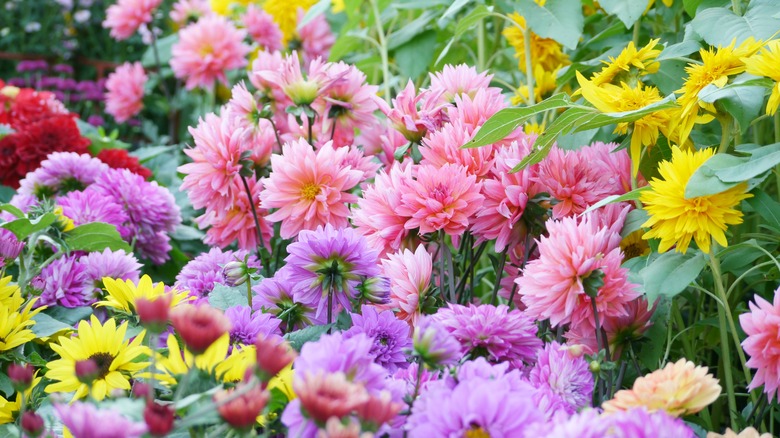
x,y
153,313
236,272
273,355
21,375
241,412
87,371
594,366
159,419
10,246
141,390
32,424
328,395
199,326
374,290
434,345
378,410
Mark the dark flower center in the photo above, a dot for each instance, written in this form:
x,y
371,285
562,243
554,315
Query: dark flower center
x,y
103,362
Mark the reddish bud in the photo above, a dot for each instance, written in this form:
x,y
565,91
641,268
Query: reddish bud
x,y
87,371
159,419
241,412
141,390
273,355
328,395
32,424
153,314
199,326
21,375
379,410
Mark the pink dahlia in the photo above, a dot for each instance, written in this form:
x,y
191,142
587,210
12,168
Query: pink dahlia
x,y
243,107
473,111
265,65
444,146
309,188
441,198
349,101
457,80
410,277
621,330
315,37
506,197
289,77
126,16
381,141
377,216
206,50
125,91
555,285
412,114
578,179
762,326
563,376
185,12
262,28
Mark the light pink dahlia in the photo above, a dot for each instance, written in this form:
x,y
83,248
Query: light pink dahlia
x,y
125,91
377,216
262,28
457,80
349,101
554,285
289,77
381,141
315,37
762,326
413,114
126,16
444,146
473,111
185,12
309,188
441,198
206,50
264,66
262,140
216,162
410,277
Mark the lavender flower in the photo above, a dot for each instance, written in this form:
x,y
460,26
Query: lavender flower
x,y
65,282
276,295
390,336
115,264
10,246
635,423
92,206
434,345
25,66
201,274
247,325
86,420
64,69
60,173
561,375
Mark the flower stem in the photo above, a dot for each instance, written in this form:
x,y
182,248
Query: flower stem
x,y
499,274
442,283
383,50
249,295
481,45
724,340
529,67
725,139
260,242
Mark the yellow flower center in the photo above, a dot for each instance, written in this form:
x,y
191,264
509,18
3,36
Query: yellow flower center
x,y
207,49
310,191
476,432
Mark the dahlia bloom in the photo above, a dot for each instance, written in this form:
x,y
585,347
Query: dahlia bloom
x,y
201,274
680,388
40,139
118,265
261,141
278,296
433,343
441,198
327,265
762,326
125,91
635,423
92,206
65,282
246,326
206,50
315,37
443,146
554,285
411,113
184,12
381,141
60,173
323,396
410,276
566,376
10,246
473,111
349,101
309,188
85,419
494,332
461,79
261,27
126,16
290,79
391,336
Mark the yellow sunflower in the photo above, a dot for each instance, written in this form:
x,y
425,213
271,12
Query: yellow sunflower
x,y
123,293
117,360
676,220
544,82
15,317
545,52
642,61
285,13
215,361
767,63
634,246
8,408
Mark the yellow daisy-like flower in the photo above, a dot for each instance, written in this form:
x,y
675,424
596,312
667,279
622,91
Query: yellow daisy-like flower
x,y
215,361
634,245
612,98
8,408
116,359
680,388
285,13
15,317
716,67
642,60
767,63
676,220
544,82
225,7
122,294
545,52
10,295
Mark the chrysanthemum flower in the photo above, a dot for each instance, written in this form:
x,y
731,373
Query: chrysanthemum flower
x,y
391,336
410,277
114,264
206,50
92,206
458,80
545,81
564,375
122,295
413,114
261,27
327,265
309,188
765,63
290,79
105,344
433,343
762,326
554,285
10,246
125,91
85,419
676,220
544,51
201,274
65,282
636,423
120,159
680,388
39,139
643,61
60,173
441,198
126,16
246,326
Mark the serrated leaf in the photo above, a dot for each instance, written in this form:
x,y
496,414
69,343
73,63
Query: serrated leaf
x,y
560,20
224,297
628,11
671,273
95,236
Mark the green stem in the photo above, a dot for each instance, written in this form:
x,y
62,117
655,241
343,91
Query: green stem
x,y
481,45
499,274
736,7
725,139
383,51
724,341
442,282
635,36
529,67
249,295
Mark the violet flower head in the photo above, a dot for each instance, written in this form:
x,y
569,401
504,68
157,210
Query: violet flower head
x,y
247,325
201,274
10,246
65,282
60,173
330,261
277,296
434,344
390,335
493,332
85,419
89,206
115,264
563,375
64,69
635,423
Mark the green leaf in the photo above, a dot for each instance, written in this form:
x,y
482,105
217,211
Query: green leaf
x,y
766,207
634,220
705,181
410,30
95,236
308,334
69,315
224,297
454,8
560,20
671,273
743,102
11,209
414,57
684,48
319,8
628,11
147,153
505,121
633,195
6,193
470,20
164,48
24,227
761,160
6,387
719,26
46,326
604,119
277,401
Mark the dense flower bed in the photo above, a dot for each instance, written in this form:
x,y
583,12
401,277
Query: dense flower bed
x,y
279,247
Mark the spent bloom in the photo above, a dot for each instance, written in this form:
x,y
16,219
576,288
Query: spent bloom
x,y
677,219
125,91
126,16
762,326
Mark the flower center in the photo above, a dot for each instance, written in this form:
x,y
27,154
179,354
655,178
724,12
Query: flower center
x,y
310,191
103,362
476,431
207,49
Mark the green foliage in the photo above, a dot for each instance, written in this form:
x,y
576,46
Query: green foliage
x,y
95,236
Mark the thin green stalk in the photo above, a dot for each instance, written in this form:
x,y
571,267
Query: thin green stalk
x,y
260,242
529,68
249,295
442,282
499,274
383,51
736,7
481,45
724,341
725,139
635,36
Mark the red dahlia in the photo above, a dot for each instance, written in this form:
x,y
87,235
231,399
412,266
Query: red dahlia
x,y
120,159
56,134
